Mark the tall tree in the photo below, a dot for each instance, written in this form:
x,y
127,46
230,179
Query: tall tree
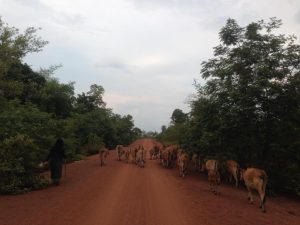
x,y
249,109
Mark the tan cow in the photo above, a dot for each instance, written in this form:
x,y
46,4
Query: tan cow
x,y
133,152
103,153
232,168
179,153
183,159
213,175
127,151
255,179
119,151
140,157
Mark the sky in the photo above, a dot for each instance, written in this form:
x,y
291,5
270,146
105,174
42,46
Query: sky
x,y
146,54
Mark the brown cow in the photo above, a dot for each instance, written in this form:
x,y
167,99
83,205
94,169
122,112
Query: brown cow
x,y
183,159
103,153
165,158
168,155
121,150
213,175
196,161
154,152
255,179
172,154
232,168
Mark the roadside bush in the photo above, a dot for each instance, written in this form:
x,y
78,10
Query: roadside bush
x,y
19,159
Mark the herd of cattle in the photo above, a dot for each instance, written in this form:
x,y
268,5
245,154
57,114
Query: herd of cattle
x,y
254,178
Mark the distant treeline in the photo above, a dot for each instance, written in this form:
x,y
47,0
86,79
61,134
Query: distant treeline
x,y
36,109
249,108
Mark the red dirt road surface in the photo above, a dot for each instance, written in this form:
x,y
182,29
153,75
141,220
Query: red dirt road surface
x,y
124,194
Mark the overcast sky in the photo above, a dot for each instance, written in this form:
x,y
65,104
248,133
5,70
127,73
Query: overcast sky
x,y
145,53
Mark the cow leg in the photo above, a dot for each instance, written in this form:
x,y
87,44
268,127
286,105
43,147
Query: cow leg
x,y
250,196
236,179
262,200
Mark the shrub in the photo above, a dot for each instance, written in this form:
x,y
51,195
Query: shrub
x,y
19,159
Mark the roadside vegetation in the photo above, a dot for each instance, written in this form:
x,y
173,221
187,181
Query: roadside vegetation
x,y
248,109
36,109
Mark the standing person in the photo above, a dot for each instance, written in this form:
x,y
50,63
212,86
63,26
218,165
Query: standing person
x,y
56,157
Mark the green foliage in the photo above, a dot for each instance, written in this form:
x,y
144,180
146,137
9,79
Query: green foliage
x,y
57,98
19,158
175,133
15,45
249,108
36,109
178,116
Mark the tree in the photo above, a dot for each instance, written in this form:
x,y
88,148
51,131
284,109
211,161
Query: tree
x,y
249,107
57,98
36,109
14,46
178,116
91,100
96,94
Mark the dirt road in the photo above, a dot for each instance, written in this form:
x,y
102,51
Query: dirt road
x,y
123,194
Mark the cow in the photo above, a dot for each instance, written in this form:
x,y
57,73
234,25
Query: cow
x,y
183,159
154,152
213,175
172,154
165,158
255,179
121,150
133,153
196,161
167,155
232,169
103,153
179,153
140,157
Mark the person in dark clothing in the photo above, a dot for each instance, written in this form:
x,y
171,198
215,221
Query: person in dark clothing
x,y
56,159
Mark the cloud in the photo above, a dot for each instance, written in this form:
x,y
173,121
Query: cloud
x,y
37,4
145,53
297,17
112,64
